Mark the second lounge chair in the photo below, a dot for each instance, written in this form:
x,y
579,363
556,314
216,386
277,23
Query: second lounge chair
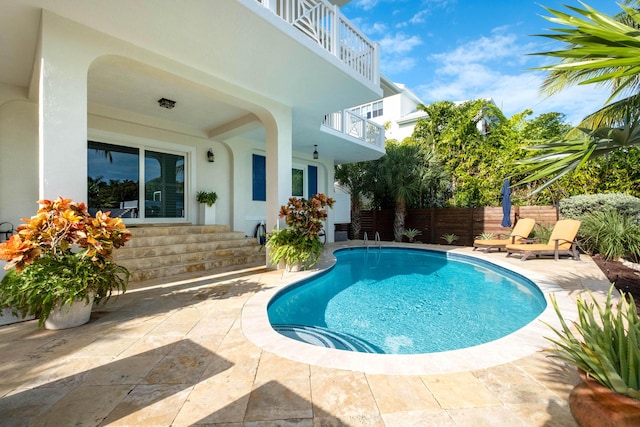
x,y
561,242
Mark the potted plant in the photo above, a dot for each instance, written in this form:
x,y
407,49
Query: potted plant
x,y
411,234
60,261
299,246
606,350
207,211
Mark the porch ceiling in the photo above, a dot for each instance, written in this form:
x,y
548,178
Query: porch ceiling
x,y
237,41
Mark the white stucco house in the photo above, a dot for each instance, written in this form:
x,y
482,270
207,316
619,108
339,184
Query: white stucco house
x,y
137,105
397,110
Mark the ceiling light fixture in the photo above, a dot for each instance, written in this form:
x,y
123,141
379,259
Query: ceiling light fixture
x,y
315,151
166,103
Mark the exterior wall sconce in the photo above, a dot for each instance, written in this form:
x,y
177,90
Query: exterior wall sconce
x,y
166,103
210,156
315,152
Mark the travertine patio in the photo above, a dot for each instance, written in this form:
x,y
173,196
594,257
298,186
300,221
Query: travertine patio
x,y
175,354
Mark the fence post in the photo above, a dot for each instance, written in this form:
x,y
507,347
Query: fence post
x,y
375,221
432,225
472,213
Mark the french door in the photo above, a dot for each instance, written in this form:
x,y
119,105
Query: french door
x,y
135,182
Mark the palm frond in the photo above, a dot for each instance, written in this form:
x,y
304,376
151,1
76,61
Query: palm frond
x,y
562,156
599,50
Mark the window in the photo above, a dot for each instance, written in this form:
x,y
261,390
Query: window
x,y
377,109
297,182
113,180
369,111
115,174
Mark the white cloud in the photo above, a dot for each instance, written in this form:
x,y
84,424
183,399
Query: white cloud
x,y
494,67
419,17
394,66
486,49
399,43
366,4
514,93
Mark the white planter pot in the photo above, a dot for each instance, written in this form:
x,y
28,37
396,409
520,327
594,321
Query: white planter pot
x,y
70,316
296,266
206,214
7,318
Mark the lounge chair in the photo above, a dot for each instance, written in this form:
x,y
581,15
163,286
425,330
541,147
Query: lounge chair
x,y
520,231
562,242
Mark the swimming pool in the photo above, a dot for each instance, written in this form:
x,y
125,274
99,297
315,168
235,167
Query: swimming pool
x,y
525,341
405,301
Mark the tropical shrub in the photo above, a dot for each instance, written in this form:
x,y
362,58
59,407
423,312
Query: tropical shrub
x,y
411,233
578,206
611,234
449,238
541,232
486,236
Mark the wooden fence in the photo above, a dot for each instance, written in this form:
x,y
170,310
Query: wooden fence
x,y
466,223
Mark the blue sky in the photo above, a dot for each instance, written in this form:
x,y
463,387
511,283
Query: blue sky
x,y
468,49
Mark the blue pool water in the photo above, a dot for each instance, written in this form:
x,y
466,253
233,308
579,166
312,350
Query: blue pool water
x,y
405,301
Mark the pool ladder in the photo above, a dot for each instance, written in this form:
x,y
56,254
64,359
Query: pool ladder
x,y
377,241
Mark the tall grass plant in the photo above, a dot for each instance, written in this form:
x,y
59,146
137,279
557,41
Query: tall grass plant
x,y
611,234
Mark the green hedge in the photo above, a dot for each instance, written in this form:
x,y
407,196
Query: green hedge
x,y
579,206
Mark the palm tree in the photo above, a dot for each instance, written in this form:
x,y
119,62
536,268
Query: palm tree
x,y
355,178
599,50
397,175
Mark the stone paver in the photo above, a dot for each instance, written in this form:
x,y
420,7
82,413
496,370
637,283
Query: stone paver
x,y
174,353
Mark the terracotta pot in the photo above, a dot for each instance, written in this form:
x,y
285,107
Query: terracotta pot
x,y
594,405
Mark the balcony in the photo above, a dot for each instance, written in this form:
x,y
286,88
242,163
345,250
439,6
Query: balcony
x,y
350,124
324,24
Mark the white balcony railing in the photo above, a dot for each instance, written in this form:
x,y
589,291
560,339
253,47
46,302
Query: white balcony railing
x,y
349,123
324,23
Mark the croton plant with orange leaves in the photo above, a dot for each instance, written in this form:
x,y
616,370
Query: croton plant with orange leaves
x,y
61,254
59,226
300,242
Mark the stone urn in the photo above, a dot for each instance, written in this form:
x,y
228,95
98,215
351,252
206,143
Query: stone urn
x,y
594,405
65,316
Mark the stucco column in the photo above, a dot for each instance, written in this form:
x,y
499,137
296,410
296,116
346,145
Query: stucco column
x,y
330,223
278,143
62,114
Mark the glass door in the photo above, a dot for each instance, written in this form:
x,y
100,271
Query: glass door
x,y
163,185
113,181
118,179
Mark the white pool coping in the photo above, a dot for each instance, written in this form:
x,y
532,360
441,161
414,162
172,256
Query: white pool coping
x,y
524,342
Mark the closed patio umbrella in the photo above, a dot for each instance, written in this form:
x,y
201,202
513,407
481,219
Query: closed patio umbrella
x,y
506,204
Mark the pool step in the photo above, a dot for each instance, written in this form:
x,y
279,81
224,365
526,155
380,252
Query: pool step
x,y
323,337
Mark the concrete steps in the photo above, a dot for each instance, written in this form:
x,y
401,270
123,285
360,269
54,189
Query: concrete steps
x,y
157,251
